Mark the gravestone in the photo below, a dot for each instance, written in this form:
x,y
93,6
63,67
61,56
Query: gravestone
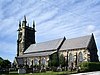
x,y
21,71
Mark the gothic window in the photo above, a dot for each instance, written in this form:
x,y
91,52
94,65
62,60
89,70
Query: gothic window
x,y
28,61
80,57
25,61
43,61
70,57
36,61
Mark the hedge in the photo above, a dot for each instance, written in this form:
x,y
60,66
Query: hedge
x,y
90,66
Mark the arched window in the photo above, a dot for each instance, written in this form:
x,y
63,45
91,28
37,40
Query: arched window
x,y
36,61
28,61
70,57
43,61
80,57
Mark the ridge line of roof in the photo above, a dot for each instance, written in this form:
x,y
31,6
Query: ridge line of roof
x,y
78,37
47,41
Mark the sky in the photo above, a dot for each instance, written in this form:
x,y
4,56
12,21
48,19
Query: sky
x,y
54,19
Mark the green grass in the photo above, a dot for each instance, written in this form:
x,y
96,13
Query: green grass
x,y
44,73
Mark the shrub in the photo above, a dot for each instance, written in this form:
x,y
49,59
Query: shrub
x,y
94,66
29,70
54,69
43,70
90,66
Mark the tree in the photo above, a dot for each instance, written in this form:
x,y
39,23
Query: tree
x,y
62,60
4,63
53,60
1,59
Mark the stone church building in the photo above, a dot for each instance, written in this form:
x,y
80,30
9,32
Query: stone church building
x,y
75,50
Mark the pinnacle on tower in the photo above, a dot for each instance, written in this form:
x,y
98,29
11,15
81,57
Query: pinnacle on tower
x,y
33,24
19,24
28,24
24,22
24,18
92,34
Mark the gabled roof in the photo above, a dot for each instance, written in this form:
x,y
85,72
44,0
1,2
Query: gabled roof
x,y
44,46
74,43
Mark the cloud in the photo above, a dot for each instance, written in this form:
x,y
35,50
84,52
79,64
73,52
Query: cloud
x,y
47,16
91,28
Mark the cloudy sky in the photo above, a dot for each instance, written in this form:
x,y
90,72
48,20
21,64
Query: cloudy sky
x,y
54,19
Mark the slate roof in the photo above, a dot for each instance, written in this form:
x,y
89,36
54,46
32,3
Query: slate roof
x,y
38,54
44,46
74,43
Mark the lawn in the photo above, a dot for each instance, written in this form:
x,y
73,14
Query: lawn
x,y
44,73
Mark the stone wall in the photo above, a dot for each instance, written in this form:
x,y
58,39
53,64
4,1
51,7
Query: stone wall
x,y
75,55
31,60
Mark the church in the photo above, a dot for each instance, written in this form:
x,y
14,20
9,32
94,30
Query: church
x,y
74,50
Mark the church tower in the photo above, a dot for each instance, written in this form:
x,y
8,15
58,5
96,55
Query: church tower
x,y
26,36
